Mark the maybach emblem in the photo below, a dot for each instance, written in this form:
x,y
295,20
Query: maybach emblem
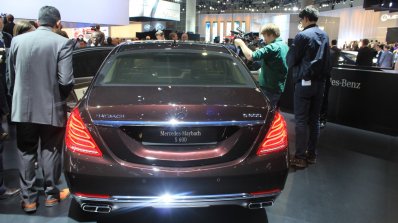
x,y
252,115
180,113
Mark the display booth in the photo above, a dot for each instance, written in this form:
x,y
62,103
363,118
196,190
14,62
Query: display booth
x,y
358,97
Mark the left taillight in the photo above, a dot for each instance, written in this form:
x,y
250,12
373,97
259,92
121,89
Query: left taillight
x,y
77,137
276,138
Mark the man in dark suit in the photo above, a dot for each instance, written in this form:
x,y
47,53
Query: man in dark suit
x,y
379,52
40,67
308,59
334,61
365,54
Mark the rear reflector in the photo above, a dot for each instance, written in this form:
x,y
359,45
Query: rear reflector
x,y
276,138
104,196
77,137
274,191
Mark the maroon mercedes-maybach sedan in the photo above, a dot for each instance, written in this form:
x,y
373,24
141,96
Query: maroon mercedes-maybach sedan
x,y
172,125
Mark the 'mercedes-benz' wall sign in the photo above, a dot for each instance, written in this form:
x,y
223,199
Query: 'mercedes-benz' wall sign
x,y
386,17
345,83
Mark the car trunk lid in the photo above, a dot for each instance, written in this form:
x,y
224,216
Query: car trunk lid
x,y
171,126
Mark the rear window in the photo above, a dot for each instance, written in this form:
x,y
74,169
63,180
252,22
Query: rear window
x,y
173,67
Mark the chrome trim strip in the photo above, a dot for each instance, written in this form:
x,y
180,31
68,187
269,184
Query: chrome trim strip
x,y
112,123
179,144
176,199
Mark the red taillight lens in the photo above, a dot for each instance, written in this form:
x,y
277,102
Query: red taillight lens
x,y
92,195
77,138
274,191
276,138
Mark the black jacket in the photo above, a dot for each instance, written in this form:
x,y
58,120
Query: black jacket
x,y
334,56
365,56
4,109
6,43
9,28
308,57
7,39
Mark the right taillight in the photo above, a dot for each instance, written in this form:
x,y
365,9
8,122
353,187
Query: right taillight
x,y
77,137
276,138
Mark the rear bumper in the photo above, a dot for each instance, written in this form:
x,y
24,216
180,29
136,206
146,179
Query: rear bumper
x,y
106,205
137,182
253,183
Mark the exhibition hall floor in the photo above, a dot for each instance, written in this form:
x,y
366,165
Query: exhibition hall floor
x,y
355,180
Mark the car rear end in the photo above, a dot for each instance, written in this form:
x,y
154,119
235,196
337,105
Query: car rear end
x,y
174,127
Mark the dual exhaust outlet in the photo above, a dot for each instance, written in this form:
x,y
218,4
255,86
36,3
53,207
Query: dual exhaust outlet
x,y
103,209
106,209
260,205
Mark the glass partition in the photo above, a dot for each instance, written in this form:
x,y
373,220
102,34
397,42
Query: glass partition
x,y
236,25
221,31
207,32
229,28
215,31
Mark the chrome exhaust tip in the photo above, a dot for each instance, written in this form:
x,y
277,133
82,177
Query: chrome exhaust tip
x,y
103,209
260,205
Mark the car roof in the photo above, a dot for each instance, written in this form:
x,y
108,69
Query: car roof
x,y
167,44
91,49
350,52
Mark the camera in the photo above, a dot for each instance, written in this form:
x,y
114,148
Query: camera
x,y
250,38
252,42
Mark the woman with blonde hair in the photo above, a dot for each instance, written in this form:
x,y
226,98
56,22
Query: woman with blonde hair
x,y
22,27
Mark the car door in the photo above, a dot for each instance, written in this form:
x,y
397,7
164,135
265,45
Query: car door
x,y
86,62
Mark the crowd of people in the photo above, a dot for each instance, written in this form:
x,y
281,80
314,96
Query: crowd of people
x,y
97,38
385,54
38,107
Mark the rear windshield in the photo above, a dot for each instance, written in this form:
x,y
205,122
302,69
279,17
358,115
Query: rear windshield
x,y
173,67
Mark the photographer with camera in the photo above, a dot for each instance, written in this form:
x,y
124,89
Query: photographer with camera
x,y
273,72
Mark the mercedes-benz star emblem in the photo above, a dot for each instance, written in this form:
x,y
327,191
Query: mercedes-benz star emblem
x,y
180,113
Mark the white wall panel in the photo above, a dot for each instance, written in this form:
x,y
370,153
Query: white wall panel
x,y
81,11
357,23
